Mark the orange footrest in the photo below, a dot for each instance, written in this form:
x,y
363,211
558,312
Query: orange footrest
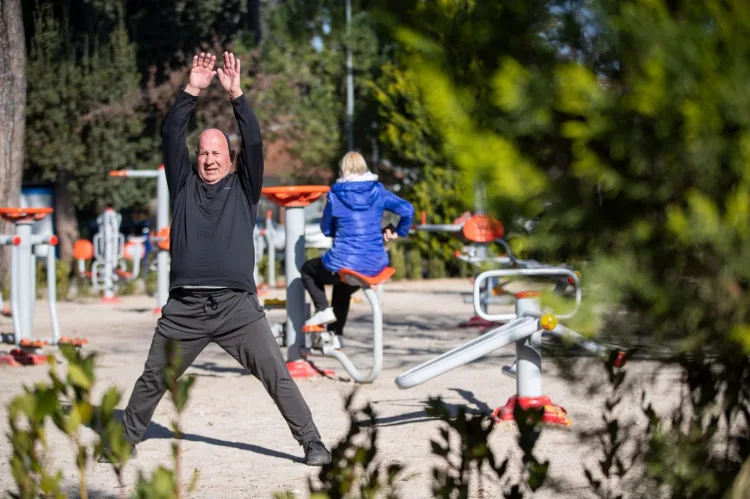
x,y
77,342
313,329
26,343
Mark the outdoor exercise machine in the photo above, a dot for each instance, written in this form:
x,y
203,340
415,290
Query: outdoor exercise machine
x,y
525,328
23,245
327,346
294,199
109,252
160,239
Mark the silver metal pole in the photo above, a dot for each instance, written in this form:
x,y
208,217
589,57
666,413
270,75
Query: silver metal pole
x,y
162,221
349,76
295,291
15,293
23,282
52,293
529,353
108,241
377,345
489,342
270,232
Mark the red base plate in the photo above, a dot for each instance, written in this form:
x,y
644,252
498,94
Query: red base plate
x,y
553,414
301,369
8,360
28,359
476,321
113,299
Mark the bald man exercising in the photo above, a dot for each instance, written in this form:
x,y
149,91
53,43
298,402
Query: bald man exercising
x,y
213,297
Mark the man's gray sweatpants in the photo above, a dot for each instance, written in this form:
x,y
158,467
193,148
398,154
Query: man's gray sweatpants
x,y
235,320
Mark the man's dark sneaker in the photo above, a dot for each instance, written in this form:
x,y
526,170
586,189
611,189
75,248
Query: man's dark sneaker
x,y
105,457
316,453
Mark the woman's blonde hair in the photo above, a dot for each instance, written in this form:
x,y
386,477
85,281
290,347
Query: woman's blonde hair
x,y
352,164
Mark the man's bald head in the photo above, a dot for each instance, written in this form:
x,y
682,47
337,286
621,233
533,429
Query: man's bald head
x,y
215,155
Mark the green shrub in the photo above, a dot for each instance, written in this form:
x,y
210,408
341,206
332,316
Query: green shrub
x,y
67,401
62,277
436,268
398,261
414,264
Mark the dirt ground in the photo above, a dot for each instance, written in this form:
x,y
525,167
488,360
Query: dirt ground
x,y
242,447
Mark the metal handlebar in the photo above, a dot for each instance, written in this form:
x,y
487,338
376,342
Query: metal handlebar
x,y
548,271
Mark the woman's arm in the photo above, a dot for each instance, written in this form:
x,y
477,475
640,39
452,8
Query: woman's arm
x,y
403,209
326,222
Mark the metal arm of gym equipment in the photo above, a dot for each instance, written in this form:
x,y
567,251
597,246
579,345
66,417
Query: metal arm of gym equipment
x,y
540,272
517,329
377,345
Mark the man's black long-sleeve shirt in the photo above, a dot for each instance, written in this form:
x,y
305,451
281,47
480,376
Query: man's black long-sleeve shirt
x,y
211,235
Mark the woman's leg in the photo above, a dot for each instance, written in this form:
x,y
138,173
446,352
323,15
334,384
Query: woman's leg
x,y
314,277
342,295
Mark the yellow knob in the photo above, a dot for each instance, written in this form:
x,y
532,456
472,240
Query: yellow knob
x,y
548,322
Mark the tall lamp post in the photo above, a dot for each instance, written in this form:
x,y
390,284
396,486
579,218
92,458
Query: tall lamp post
x,y
349,77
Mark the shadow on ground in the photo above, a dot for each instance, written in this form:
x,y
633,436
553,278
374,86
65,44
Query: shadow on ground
x,y
157,431
473,406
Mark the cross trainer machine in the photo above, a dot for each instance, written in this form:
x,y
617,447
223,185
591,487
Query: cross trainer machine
x,y
108,253
328,349
23,286
525,328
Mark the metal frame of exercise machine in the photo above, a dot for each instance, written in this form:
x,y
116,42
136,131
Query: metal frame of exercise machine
x,y
327,349
160,238
23,287
525,328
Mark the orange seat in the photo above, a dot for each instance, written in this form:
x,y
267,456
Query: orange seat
x,y
356,279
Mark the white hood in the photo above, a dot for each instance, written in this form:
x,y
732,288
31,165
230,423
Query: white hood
x,y
364,177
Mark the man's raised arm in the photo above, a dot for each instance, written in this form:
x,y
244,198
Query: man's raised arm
x,y
174,132
250,162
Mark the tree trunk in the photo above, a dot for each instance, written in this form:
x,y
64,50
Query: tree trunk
x,y
66,220
12,111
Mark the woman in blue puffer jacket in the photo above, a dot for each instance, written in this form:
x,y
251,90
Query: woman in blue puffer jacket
x,y
353,218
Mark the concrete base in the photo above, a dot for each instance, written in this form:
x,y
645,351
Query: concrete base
x,y
553,414
302,369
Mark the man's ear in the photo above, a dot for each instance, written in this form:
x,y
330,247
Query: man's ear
x,y
232,164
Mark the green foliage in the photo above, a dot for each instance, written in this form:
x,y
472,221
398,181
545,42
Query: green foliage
x,y
397,260
628,117
454,479
62,277
414,264
67,401
409,136
263,268
435,268
84,115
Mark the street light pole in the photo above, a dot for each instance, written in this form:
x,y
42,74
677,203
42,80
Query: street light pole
x,y
349,77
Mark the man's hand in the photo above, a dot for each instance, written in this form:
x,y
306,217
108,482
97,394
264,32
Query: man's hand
x,y
230,75
201,74
389,233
